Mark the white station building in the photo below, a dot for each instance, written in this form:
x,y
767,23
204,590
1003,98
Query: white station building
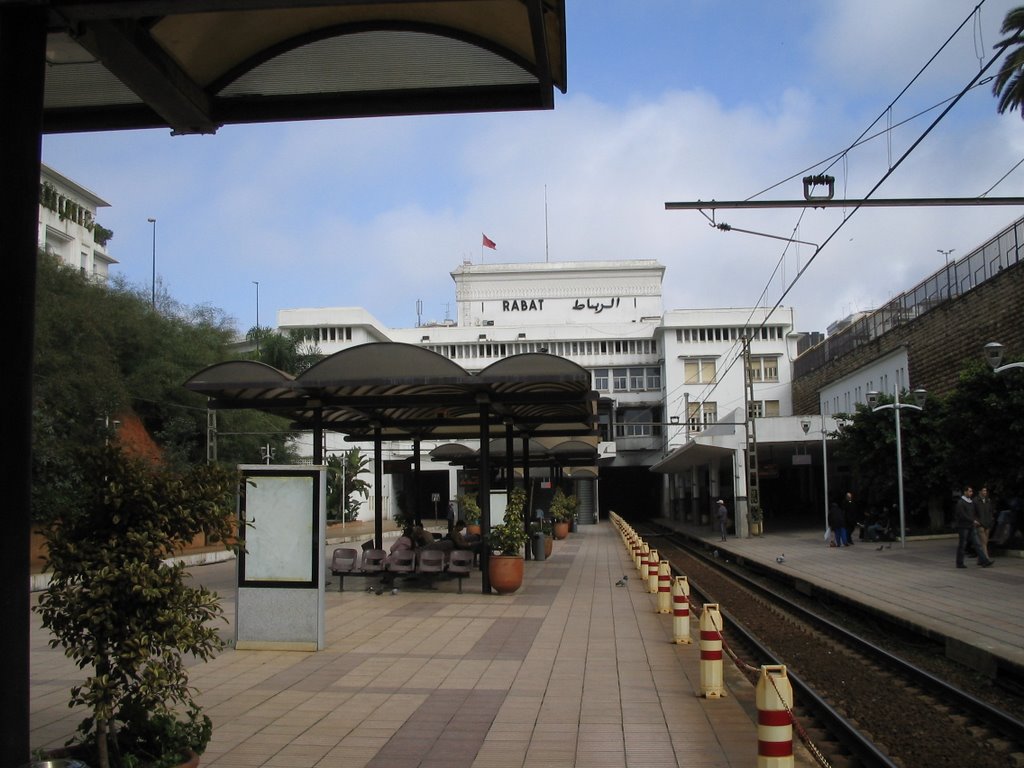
x,y
672,387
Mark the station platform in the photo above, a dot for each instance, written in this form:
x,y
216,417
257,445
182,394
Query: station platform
x,y
571,670
977,612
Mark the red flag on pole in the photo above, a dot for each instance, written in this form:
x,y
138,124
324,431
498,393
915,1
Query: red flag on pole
x,y
488,243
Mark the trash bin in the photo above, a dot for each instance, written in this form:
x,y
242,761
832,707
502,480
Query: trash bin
x,y
538,545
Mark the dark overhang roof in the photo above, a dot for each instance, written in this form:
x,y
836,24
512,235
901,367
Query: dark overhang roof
x,y
409,391
195,65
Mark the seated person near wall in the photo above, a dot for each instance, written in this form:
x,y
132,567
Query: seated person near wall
x,y
462,540
403,542
421,537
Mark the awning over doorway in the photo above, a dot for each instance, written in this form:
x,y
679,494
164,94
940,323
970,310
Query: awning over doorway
x,y
692,454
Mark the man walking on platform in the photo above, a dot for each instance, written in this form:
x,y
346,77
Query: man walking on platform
x,y
966,522
850,517
984,511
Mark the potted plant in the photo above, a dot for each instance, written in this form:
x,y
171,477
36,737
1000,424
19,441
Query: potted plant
x,y
126,616
469,510
506,541
562,511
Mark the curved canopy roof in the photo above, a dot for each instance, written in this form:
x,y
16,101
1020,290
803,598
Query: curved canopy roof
x,y
194,65
411,392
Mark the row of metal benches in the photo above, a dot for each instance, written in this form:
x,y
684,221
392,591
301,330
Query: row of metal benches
x,y
431,563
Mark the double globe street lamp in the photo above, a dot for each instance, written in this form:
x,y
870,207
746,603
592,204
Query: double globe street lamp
x,y
994,356
919,396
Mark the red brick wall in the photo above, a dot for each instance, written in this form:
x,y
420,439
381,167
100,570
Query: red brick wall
x,y
938,343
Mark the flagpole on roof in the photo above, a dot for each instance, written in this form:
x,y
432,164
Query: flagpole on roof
x,y
545,223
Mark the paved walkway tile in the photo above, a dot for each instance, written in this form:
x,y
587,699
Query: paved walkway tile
x,y
569,671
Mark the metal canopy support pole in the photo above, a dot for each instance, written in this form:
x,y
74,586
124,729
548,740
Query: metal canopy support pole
x,y
415,502
318,437
211,436
378,492
484,495
22,68
528,509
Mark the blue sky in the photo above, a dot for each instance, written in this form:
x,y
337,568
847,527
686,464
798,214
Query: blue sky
x,y
668,100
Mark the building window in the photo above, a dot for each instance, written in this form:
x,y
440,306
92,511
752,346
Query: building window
x,y
636,379
601,379
699,371
654,378
701,415
638,422
619,380
764,368
758,409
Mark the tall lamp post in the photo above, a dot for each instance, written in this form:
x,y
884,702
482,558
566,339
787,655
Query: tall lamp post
x,y
919,396
945,252
257,284
805,424
994,356
153,222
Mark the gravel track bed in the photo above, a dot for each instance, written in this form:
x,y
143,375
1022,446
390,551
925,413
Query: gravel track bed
x,y
913,728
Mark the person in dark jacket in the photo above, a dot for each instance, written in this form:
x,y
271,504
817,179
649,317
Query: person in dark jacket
x,y
851,517
837,522
984,510
966,522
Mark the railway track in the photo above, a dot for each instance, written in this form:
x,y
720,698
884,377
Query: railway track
x,y
858,704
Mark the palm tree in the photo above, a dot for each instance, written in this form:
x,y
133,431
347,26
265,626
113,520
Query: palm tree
x,y
344,481
1009,82
290,352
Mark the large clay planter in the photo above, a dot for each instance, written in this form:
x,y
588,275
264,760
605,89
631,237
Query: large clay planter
x,y
506,572
561,529
549,544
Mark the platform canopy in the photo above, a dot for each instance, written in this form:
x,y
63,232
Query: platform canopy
x,y
580,451
195,65
407,392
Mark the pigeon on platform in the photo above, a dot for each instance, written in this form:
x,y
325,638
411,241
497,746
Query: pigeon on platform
x,y
620,583
394,591
781,558
625,577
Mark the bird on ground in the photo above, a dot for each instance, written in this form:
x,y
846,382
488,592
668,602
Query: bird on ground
x,y
394,591
625,577
620,583
781,558
879,547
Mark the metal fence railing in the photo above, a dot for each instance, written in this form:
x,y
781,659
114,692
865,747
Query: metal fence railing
x,y
946,284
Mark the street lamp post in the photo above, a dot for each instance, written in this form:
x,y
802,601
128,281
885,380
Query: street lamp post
x,y
994,356
257,284
945,252
805,424
153,222
896,406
